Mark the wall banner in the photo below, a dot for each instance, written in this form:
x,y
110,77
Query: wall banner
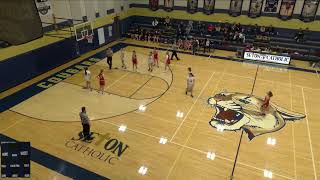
x,y
286,9
255,8
168,5
235,7
309,10
271,6
154,5
192,6
44,8
208,6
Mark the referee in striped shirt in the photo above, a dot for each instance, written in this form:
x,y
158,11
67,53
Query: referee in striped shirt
x,y
85,123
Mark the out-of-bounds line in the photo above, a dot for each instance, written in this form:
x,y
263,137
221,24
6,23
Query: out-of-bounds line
x,y
309,135
176,131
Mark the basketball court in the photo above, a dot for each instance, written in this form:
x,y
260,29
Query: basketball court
x,y
49,120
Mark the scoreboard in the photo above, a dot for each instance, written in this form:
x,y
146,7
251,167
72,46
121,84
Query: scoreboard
x,y
15,159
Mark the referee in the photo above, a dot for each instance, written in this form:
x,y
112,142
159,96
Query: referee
x,y
174,51
109,57
85,123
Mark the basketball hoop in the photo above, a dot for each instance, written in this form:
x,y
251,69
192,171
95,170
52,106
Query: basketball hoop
x,y
89,38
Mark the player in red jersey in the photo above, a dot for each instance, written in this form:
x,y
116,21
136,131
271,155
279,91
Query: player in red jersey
x,y
167,63
102,81
266,102
134,61
155,57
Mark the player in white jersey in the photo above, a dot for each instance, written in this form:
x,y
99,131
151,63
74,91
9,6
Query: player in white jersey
x,y
190,84
122,59
87,78
150,62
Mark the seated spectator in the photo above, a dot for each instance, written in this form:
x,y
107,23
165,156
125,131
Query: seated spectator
x,y
299,35
188,29
190,23
256,49
149,34
181,25
155,23
262,30
248,47
250,29
199,26
271,30
189,44
242,37
238,27
180,44
236,36
210,29
265,50
167,21
206,45
155,37
218,28
162,21
256,29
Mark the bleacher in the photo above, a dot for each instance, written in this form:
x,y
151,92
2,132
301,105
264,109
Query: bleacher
x,y
305,50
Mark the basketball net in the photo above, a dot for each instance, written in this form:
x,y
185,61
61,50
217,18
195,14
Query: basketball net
x,y
89,38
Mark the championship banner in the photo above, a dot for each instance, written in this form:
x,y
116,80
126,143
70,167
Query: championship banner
x,y
168,5
44,8
154,5
208,6
235,7
271,6
286,9
267,57
192,6
309,10
255,8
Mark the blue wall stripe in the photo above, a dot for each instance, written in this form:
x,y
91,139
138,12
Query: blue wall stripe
x,y
59,165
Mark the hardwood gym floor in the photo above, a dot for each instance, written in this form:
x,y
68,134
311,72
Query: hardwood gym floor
x,y
49,120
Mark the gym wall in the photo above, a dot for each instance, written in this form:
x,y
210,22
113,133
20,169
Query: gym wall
x,y
140,8
224,4
83,9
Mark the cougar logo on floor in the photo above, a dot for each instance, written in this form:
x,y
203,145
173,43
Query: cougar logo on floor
x,y
108,149
236,111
